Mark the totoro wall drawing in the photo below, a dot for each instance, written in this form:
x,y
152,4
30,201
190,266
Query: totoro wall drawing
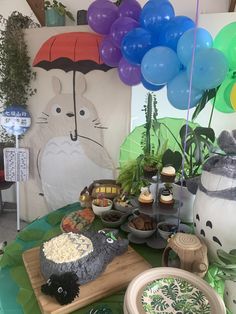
x,y
59,167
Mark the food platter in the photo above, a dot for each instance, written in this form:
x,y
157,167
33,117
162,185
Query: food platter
x,y
77,221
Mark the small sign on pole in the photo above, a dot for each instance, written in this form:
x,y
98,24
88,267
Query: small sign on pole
x,y
16,121
16,164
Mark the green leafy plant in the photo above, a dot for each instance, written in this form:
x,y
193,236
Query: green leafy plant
x,y
151,159
199,143
131,175
59,8
15,69
194,147
227,264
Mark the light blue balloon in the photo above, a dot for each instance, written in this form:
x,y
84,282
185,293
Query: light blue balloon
x,y
160,65
178,92
186,42
149,86
209,70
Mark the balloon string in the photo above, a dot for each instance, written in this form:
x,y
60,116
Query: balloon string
x,y
188,111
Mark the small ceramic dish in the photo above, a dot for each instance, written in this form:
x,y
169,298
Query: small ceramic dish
x,y
143,233
166,228
101,205
113,218
126,205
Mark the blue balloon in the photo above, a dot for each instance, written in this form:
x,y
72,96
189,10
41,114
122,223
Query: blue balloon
x,y
150,86
136,43
171,32
155,13
160,65
186,42
210,68
178,92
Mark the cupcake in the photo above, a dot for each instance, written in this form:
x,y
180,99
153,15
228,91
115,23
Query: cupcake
x,y
145,197
168,174
166,198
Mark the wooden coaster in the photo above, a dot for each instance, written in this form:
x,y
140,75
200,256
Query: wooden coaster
x,y
117,276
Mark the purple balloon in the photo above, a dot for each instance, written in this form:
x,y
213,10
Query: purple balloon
x,y
101,14
129,74
109,53
130,8
120,28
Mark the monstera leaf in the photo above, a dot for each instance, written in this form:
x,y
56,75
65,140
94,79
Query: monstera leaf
x,y
173,158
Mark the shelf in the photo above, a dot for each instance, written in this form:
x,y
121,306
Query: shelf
x,y
156,208
155,241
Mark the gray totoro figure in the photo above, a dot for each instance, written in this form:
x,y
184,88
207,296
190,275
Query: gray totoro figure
x,y
97,250
66,166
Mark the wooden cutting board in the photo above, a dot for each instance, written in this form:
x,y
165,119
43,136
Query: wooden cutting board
x,y
117,276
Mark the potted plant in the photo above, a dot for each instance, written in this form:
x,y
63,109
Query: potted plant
x,y
136,173
55,13
194,145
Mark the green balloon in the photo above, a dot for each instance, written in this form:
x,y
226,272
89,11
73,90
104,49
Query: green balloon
x,y
225,41
222,100
232,53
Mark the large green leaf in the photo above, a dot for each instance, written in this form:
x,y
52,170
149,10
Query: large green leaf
x,y
28,301
227,258
55,218
52,233
185,129
208,95
208,132
172,158
20,275
31,234
12,255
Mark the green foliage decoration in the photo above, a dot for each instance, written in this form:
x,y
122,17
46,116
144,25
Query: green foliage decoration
x,y
15,69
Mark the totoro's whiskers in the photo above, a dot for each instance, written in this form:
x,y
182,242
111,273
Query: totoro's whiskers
x,y
41,122
42,118
45,114
101,127
94,120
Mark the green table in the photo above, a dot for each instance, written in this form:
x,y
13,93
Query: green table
x,y
16,293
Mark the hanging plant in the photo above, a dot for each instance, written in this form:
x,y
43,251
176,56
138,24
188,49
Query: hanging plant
x,y
15,70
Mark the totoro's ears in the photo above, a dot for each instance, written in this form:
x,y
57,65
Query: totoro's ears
x,y
56,85
80,83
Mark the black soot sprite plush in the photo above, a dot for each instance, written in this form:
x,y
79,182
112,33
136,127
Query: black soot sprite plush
x,y
64,287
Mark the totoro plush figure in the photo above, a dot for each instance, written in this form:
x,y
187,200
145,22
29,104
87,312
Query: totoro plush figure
x,y
86,254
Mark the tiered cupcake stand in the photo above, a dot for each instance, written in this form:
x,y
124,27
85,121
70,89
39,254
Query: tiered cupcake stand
x,y
159,213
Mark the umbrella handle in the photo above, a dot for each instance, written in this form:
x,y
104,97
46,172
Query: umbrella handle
x,y
75,137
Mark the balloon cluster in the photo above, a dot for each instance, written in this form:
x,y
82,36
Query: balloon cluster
x,y
153,46
225,41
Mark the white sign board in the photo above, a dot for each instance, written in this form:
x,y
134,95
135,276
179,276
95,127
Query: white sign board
x,y
16,164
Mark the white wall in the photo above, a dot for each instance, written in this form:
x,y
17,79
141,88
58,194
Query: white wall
x,y
182,7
